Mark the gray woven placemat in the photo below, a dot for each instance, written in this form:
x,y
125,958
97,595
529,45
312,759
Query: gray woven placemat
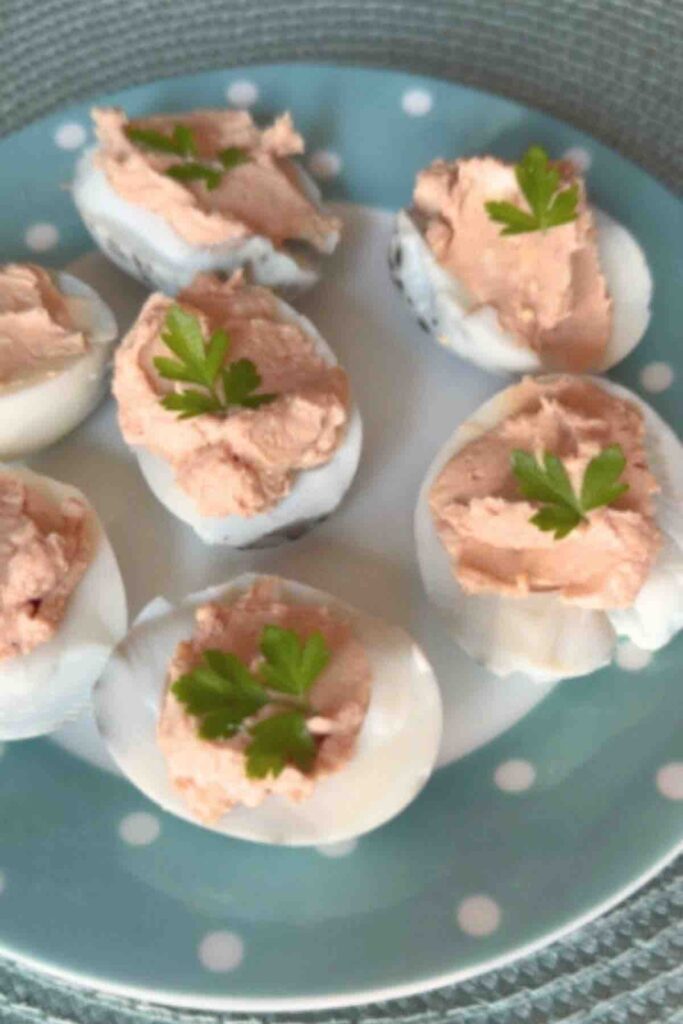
x,y
614,69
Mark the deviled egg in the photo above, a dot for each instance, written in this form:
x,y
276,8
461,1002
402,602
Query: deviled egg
x,y
238,412
270,711
509,267
56,342
551,524
62,603
174,195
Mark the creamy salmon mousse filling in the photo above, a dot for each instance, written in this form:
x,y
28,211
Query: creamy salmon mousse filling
x,y
46,545
37,329
213,176
266,698
522,240
230,390
557,499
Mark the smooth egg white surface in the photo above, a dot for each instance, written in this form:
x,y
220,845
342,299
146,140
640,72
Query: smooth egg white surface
x,y
40,410
41,690
397,745
541,636
144,245
442,304
315,493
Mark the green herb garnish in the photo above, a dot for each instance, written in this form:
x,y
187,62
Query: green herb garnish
x,y
203,363
193,171
548,482
277,741
540,185
223,694
181,143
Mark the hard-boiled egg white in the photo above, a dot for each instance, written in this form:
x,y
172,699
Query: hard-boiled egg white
x,y
39,691
314,495
539,635
144,245
444,308
41,409
396,750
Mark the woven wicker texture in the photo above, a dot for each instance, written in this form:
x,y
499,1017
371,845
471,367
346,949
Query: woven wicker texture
x,y
612,68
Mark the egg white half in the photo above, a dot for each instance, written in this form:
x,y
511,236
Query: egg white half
x,y
144,245
315,492
539,635
444,308
42,689
397,745
39,411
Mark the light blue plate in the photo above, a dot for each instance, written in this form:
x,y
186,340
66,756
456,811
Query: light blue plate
x,y
472,874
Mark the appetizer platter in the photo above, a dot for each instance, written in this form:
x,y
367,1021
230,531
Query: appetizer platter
x,y
341,604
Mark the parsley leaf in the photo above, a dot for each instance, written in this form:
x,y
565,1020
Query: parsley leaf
x,y
290,665
232,157
203,363
548,483
278,740
182,143
193,171
600,486
222,693
240,380
540,184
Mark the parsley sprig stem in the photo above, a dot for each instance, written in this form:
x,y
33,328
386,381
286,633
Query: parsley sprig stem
x,y
224,694
548,483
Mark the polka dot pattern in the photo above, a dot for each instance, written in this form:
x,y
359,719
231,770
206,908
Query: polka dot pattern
x,y
139,828
242,93
631,657
478,916
670,780
70,135
221,951
334,850
657,377
324,164
579,156
41,237
417,102
514,776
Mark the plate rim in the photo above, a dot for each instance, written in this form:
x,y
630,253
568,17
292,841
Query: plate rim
x,y
295,1004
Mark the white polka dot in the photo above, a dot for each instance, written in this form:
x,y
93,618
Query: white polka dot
x,y
632,658
2,883
41,237
670,780
221,951
479,916
514,776
417,102
342,849
242,93
580,157
325,164
657,377
139,828
70,135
